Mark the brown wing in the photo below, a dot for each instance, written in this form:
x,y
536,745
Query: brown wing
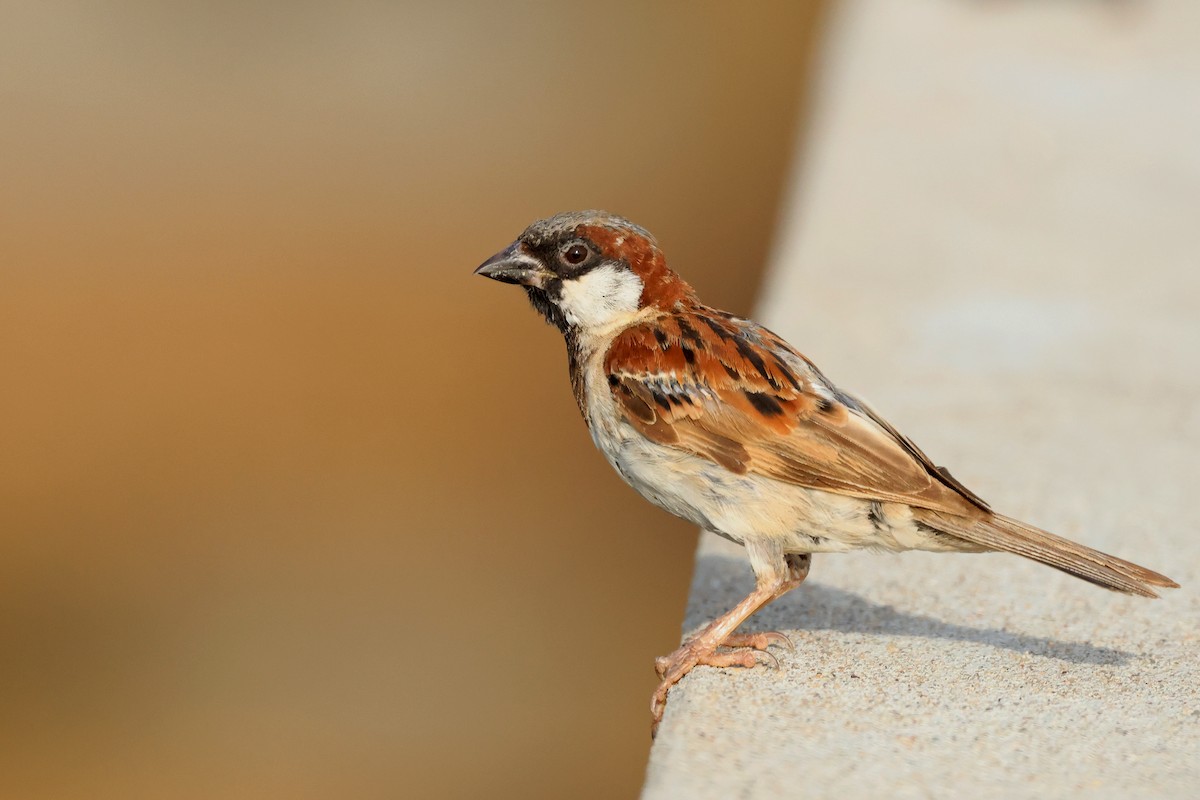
x,y
730,391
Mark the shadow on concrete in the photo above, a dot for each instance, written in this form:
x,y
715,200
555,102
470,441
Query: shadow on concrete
x,y
816,607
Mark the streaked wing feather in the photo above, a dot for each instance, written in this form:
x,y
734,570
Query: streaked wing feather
x,y
730,391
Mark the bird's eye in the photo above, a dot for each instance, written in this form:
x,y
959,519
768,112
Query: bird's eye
x,y
575,254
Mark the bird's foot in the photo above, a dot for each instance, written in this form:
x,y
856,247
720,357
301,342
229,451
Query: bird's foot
x,y
736,650
759,641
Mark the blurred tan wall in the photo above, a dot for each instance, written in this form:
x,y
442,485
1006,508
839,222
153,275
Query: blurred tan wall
x,y
291,504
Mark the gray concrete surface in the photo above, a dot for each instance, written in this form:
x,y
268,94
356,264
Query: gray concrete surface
x,y
995,238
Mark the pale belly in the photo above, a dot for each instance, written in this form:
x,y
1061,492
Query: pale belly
x,y
742,507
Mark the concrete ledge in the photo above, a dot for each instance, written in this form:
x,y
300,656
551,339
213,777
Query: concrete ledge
x,y
909,682
995,241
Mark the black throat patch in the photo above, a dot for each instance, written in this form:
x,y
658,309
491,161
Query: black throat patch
x,y
540,299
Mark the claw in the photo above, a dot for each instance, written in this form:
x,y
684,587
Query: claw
x,y
783,640
769,659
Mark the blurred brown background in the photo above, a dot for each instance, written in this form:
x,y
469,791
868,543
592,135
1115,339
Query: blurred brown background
x,y
293,505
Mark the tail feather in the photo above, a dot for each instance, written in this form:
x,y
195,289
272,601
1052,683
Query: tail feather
x,y
997,532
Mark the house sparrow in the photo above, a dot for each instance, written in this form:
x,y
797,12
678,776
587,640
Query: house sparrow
x,y
719,421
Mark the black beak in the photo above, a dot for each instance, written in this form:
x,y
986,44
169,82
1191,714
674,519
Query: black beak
x,y
514,266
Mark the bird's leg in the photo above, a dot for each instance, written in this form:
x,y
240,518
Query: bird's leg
x,y
797,570
798,565
775,575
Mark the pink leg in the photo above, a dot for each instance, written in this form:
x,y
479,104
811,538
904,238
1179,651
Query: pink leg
x,y
749,648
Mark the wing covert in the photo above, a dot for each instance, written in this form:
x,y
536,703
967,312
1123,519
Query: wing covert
x,y
730,391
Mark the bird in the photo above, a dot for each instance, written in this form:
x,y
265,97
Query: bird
x,y
717,420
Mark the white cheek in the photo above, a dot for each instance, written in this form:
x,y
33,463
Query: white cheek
x,y
601,297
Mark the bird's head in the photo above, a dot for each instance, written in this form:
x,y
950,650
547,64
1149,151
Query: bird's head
x,y
588,271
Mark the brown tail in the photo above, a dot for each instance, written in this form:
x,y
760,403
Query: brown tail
x,y
997,532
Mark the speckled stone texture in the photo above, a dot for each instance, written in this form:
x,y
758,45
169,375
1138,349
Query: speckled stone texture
x,y
995,238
